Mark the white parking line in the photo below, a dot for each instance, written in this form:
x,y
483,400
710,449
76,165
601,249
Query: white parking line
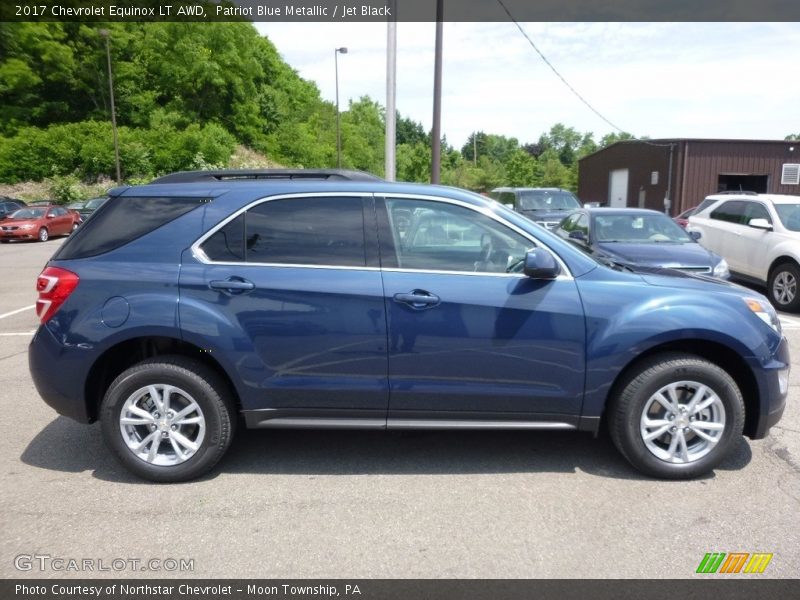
x,y
22,334
19,310
789,322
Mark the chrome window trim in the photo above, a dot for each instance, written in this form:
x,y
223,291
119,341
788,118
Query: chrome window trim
x,y
199,255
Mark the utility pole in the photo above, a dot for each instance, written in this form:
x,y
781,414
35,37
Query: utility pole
x,y
105,33
436,130
391,89
336,52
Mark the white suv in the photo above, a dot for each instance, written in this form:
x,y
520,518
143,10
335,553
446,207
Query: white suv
x,y
759,236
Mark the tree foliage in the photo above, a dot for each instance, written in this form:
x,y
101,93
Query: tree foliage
x,y
187,93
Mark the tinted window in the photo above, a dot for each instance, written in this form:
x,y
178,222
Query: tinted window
x,y
704,205
302,231
227,244
121,221
507,198
731,212
445,237
755,210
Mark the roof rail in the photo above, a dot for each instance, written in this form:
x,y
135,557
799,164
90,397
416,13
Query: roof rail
x,y
266,175
742,193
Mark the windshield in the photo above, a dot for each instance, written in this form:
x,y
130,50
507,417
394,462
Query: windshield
x,y
28,213
547,200
789,215
638,228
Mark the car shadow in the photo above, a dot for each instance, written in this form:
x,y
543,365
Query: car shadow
x,y
66,446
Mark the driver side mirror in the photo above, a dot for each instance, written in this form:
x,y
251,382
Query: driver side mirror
x,y
695,235
760,224
541,264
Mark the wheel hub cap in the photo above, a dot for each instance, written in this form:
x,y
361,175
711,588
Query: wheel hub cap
x,y
162,425
682,422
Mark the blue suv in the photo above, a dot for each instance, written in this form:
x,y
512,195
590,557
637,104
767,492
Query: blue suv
x,y
335,299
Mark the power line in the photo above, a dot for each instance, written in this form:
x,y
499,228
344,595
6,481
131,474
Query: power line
x,y
552,68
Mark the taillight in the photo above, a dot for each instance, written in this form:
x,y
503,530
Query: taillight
x,y
54,286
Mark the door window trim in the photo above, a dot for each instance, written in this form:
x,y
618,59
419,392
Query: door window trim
x,y
565,272
201,256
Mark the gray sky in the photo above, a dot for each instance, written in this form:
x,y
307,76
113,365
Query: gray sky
x,y
715,80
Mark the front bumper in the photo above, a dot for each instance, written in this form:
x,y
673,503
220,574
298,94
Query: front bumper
x,y
18,234
773,388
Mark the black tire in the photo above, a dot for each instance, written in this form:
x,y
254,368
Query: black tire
x,y
642,383
74,227
44,235
787,296
204,386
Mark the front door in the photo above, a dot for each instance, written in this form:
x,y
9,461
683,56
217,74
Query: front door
x,y
468,336
292,292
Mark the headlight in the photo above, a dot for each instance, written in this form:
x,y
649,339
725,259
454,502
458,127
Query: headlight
x,y
764,311
721,269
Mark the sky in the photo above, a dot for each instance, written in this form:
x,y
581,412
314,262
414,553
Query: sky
x,y
694,80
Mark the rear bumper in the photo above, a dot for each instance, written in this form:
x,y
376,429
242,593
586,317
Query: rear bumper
x,y
58,376
773,389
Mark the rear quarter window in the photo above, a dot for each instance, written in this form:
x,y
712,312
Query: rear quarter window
x,y
122,220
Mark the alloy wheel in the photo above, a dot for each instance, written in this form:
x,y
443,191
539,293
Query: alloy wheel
x,y
682,422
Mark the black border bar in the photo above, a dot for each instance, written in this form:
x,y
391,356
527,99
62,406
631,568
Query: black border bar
x,y
699,588
399,10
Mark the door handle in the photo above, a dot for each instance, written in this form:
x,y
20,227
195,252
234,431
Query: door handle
x,y
417,299
233,285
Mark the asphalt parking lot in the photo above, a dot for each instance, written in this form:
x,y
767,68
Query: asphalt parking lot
x,y
369,504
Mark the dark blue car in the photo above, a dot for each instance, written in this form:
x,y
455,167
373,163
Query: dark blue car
x,y
330,299
639,238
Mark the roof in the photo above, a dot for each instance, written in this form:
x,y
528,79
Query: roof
x,y
667,141
774,198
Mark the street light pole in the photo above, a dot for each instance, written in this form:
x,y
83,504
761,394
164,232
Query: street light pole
x,y
105,33
336,52
436,129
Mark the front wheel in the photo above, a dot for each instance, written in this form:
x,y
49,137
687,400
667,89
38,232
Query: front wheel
x,y
782,287
168,419
44,235
676,416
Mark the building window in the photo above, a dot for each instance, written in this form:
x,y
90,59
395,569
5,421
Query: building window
x,y
790,175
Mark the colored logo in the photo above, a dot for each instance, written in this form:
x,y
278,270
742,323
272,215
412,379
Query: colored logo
x,y
734,562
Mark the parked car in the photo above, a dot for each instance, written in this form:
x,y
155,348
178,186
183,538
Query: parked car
x,y
290,298
683,218
759,236
545,206
639,238
43,203
8,206
38,222
90,206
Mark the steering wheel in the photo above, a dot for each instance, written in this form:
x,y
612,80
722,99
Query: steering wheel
x,y
487,249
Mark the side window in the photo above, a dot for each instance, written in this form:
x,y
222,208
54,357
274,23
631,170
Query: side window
x,y
569,223
446,237
730,212
704,205
507,198
583,225
299,231
755,210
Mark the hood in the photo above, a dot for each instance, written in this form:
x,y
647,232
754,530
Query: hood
x,y
675,256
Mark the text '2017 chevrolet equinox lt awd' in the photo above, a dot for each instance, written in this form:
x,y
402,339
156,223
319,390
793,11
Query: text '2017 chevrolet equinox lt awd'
x,y
335,299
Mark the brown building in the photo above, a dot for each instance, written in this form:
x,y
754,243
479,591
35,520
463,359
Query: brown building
x,y
676,174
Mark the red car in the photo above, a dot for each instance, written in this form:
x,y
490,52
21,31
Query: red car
x,y
683,218
38,222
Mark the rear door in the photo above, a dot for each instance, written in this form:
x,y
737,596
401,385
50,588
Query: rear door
x,y
467,338
289,292
58,221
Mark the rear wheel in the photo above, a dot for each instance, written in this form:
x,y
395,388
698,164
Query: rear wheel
x,y
44,235
676,416
168,419
782,287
